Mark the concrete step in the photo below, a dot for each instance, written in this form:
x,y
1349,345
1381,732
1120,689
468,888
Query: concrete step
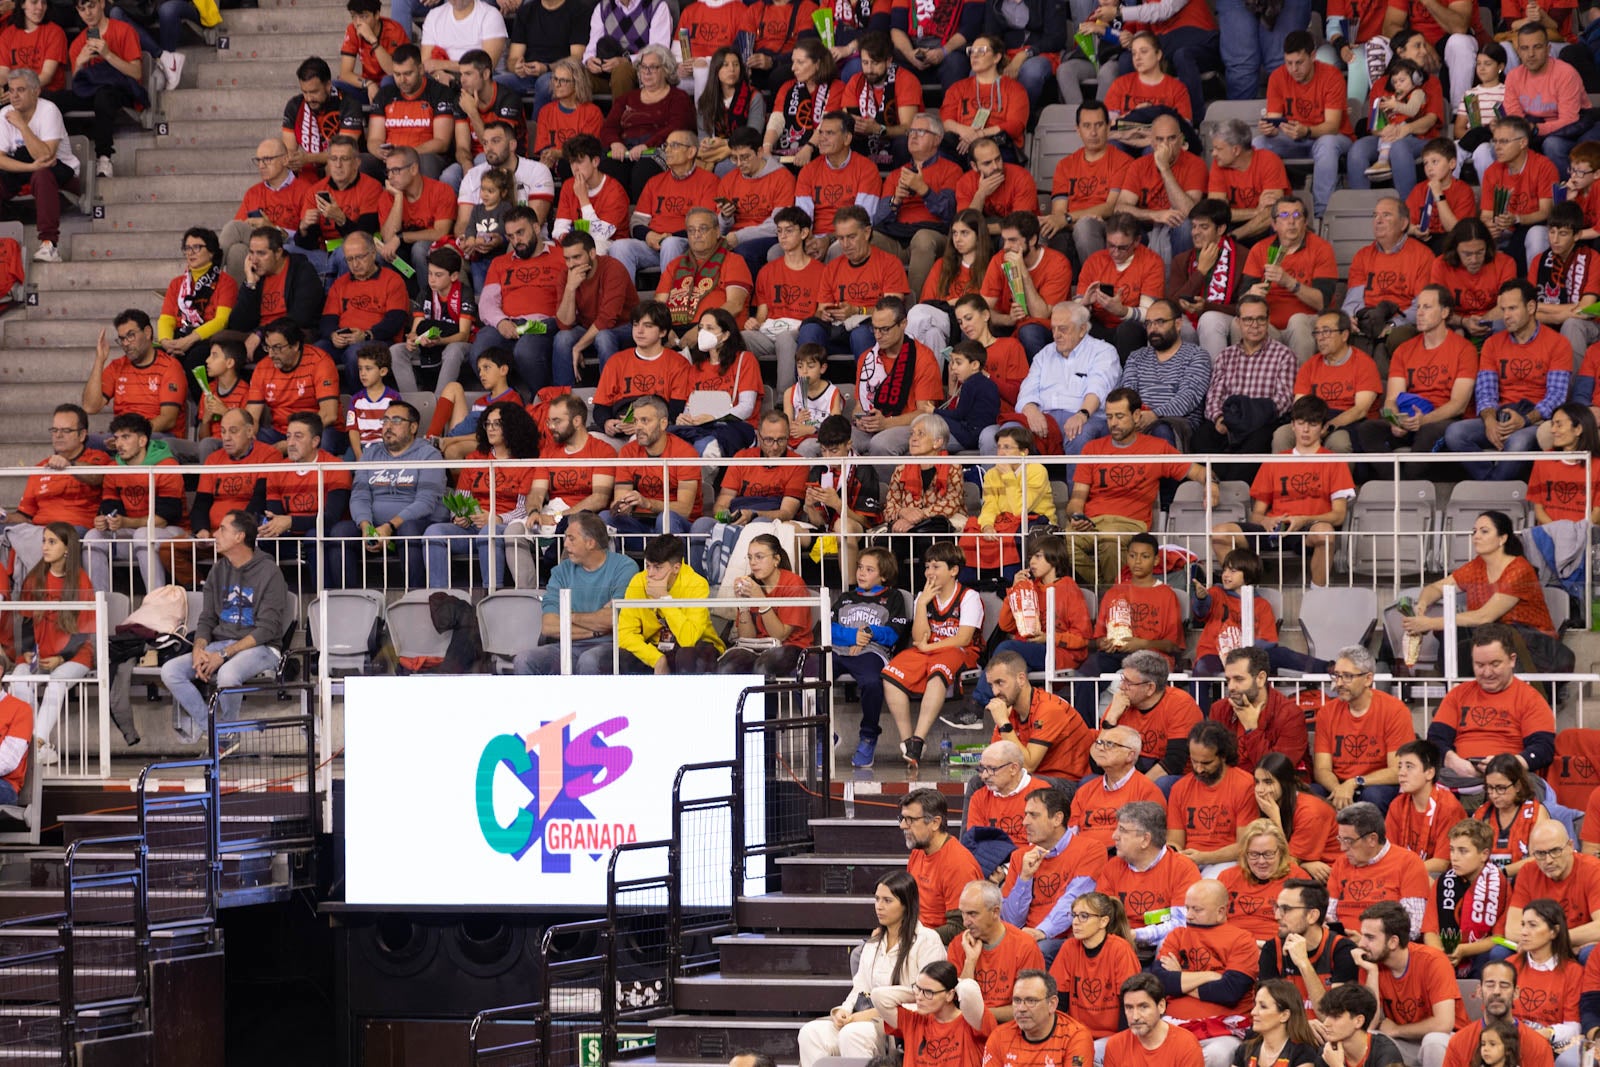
x,y
226,187
100,306
249,46
251,105
203,133
858,836
36,396
836,874
295,22
143,218
757,954
768,994
77,276
711,1038
146,246
275,74
791,912
18,333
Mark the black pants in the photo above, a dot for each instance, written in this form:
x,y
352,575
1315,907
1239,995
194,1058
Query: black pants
x,y
107,102
1207,441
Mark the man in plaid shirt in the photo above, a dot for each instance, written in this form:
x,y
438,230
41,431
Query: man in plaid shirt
x,y
1257,368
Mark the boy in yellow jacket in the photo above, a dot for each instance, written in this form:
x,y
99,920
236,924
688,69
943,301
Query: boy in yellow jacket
x,y
667,640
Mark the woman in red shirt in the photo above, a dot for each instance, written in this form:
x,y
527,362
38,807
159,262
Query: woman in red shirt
x,y
1555,488
724,368
946,1014
1473,269
63,640
801,103
1549,976
771,575
644,119
1095,961
31,40
1149,84
1498,585
1511,810
505,431
571,111
986,104
1304,818
1253,883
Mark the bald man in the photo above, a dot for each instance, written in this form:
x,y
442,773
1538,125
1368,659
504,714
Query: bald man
x,y
1208,967
276,200
1095,804
1562,874
746,1058
990,950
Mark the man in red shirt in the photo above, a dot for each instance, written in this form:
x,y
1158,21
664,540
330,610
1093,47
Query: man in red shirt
x,y
991,951
707,275
131,515
344,203
221,490
54,495
1523,377
1208,966
145,380
1438,365
1083,190
1147,874
940,864
299,502
1342,376
1308,114
760,492
788,290
279,199
415,111
294,377
1296,272
994,187
415,210
1260,717
1385,278
368,304
852,285
1043,274
896,381
1120,282
918,201
664,204
277,283
1053,870
750,196
519,304
1300,497
1523,180
1417,992
644,500
1251,180
992,820
1212,803
1374,870
1161,188
1496,712
594,308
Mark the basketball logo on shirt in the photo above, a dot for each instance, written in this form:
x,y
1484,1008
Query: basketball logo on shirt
x,y
1408,1009
1563,492
1205,817
1533,1003
1387,281
1359,889
1242,905
1516,369
992,979
1046,886
1426,377
1353,746
1484,717
1200,958
1139,901
1305,484
1142,616
1011,825
1089,990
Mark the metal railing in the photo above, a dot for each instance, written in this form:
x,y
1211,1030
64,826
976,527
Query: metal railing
x,y
107,914
35,987
181,833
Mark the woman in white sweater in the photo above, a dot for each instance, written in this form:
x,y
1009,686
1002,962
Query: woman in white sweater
x,y
895,953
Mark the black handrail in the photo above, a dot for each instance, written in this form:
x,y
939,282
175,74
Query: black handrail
x,y
137,881
211,800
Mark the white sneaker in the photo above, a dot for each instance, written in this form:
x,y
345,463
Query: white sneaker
x,y
46,754
47,253
103,168
172,67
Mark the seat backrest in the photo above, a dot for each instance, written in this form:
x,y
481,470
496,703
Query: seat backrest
x,y
351,613
1336,616
411,624
991,613
510,621
1054,139
1274,598
1091,603
1376,514
424,403
197,603
739,562
117,610
1467,501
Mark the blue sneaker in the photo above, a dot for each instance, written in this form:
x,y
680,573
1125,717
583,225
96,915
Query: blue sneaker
x,y
864,752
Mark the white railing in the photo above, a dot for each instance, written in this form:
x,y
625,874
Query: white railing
x,y
82,734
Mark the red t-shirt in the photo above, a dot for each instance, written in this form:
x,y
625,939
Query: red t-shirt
x,y
998,965
1017,192
1130,91
1222,948
391,35
1095,807
1427,833
1475,294
1410,996
1243,188
436,201
1302,488
1211,816
120,38
755,199
1487,724
573,485
1396,875
1171,719
863,285
361,304
1091,983
1162,885
1088,183
554,126
1178,1049
939,173
33,50
628,375
637,470
1250,903
667,198
304,388
144,390
60,496
830,188
1459,198
1312,262
1557,485
1126,489
296,487
1081,858
130,488
232,490
610,202
1051,274
531,286
755,478
787,293
1143,276
1396,276
1006,100
1309,104
940,878
1362,745
1338,385
1528,186
1523,368
1432,373
1152,613
1144,178
1578,893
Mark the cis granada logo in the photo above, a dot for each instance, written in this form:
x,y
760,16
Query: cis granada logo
x,y
558,771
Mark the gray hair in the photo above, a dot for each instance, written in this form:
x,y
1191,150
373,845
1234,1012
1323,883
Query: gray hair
x,y
1148,817
669,66
25,75
1364,818
1360,658
1127,735
934,425
1150,665
988,893
653,402
700,209
1074,308
935,124
1230,132
591,526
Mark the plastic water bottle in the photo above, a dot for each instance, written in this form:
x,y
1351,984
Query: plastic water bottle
x,y
947,753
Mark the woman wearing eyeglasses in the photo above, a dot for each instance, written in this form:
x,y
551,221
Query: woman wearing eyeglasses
x,y
1511,810
897,950
1253,885
646,118
945,1023
1094,962
570,112
506,431
987,104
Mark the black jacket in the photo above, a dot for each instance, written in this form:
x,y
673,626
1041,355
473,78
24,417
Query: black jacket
x,y
1047,26
303,295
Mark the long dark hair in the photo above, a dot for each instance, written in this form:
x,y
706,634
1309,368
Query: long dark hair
x,y
904,888
1282,771
1287,998
1551,915
732,344
1471,229
516,427
715,118
1502,526
1523,785
950,265
1583,418
779,553
36,585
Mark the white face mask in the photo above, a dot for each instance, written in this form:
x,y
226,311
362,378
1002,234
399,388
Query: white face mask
x,y
708,341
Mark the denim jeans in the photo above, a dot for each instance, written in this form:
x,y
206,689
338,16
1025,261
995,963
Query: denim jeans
x,y
590,655
1470,435
446,539
607,343
637,256
1402,160
1034,76
538,86
178,676
1032,653
171,14
530,356
405,13
834,337
1327,156
345,553
1250,51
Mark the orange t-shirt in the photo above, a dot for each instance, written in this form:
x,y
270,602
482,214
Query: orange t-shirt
x,y
1178,1049
1338,385
940,1044
303,388
1126,489
1242,189
1396,276
1528,186
1315,838
1017,192
296,488
1130,91
1302,488
939,173
1557,484
755,199
1475,294
1312,262
1005,98
628,375
1410,996
1545,998
1362,745
130,488
1518,580
60,496
1089,183
610,202
1222,621
531,286
1211,816
987,808
1427,833
787,293
1081,858
1222,948
710,28
1536,1051
1163,885
554,126
925,383
1051,274
1432,373
638,470
1578,893
1070,1042
144,390
882,274
359,305
1052,724
1095,807
1487,724
940,877
1523,368
282,207
231,490
1309,104
998,965
830,188
1091,983
1458,196
667,198
436,201
1144,276
1173,716
1250,903
1144,178
1153,614
572,485
1395,875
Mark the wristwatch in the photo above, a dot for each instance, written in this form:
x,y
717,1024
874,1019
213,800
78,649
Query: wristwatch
x,y
1361,782
1007,728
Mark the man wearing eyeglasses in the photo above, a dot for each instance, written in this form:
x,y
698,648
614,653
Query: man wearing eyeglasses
x,y
664,206
1171,377
294,377
1372,870
707,275
918,201
143,380
343,203
1524,180
940,865
414,210
1385,278
1296,272
389,502
753,491
1562,874
1251,388
279,199
992,824
1096,802
1038,1031
1120,282
897,380
365,305
1306,952
1340,375
221,490
1358,736
61,492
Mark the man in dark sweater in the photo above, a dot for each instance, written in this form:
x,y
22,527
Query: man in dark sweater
x,y
276,284
243,620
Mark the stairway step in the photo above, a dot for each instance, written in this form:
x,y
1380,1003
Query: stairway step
x,y
707,1037
143,218
174,189
786,994
75,277
244,47
858,836
98,305
195,160
295,22
144,247
20,455
24,333
202,133
791,911
817,955
836,873
261,74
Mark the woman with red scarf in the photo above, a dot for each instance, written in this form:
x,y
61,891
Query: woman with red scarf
x,y
934,35
920,495
198,301
804,99
728,102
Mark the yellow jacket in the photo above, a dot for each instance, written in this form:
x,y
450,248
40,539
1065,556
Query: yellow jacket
x,y
639,629
1002,493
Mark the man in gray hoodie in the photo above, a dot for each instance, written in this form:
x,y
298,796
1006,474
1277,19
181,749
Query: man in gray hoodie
x,y
243,620
390,502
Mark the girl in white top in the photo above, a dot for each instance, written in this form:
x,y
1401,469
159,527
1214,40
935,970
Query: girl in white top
x,y
893,956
